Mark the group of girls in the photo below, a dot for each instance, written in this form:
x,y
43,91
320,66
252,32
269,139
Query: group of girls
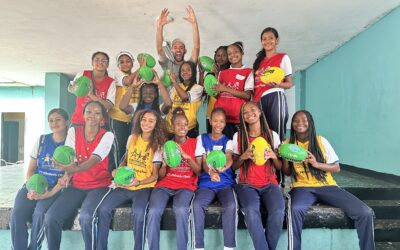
x,y
235,122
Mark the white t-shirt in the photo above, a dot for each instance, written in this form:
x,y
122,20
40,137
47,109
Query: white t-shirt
x,y
195,93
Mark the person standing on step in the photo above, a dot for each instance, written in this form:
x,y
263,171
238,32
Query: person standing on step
x,y
102,88
178,48
186,94
120,122
221,63
271,95
235,86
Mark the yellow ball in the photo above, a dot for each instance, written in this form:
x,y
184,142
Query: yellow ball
x,y
258,148
272,74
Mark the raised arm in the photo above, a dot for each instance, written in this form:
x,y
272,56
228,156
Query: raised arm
x,y
124,104
163,90
191,17
181,93
162,20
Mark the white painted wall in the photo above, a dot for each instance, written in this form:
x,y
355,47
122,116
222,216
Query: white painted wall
x,y
34,113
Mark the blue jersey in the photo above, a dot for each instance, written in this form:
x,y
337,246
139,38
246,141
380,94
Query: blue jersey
x,y
44,159
227,177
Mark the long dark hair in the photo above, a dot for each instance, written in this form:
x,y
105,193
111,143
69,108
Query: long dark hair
x,y
313,147
244,135
155,105
104,54
192,79
262,54
59,111
227,64
158,135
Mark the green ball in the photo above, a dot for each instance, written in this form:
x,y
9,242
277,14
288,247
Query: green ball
x,y
216,159
206,63
150,61
37,183
209,82
124,175
166,78
172,155
82,86
63,154
146,73
292,152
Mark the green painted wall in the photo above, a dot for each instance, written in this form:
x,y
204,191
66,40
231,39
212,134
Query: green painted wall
x,y
353,95
21,92
56,94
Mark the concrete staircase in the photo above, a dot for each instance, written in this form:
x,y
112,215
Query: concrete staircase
x,y
383,196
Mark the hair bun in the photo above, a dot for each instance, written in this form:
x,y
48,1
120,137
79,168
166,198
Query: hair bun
x,y
178,111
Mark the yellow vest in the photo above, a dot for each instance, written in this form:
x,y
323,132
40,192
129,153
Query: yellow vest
x,y
304,178
117,114
210,106
141,160
190,109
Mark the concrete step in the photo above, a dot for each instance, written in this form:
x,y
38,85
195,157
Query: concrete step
x,y
385,209
387,245
319,216
375,193
387,230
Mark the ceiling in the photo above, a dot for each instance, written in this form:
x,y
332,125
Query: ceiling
x,y
60,36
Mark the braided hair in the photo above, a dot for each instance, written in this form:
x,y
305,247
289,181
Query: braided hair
x,y
244,135
313,147
155,105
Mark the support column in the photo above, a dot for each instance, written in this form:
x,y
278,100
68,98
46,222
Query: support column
x,y
57,95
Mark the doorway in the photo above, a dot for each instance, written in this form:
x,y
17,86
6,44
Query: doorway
x,y
12,137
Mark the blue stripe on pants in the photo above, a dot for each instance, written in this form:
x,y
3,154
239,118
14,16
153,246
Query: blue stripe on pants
x,y
301,198
139,199
181,208
227,198
250,199
66,206
23,211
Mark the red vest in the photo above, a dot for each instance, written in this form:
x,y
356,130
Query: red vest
x,y
259,86
101,91
258,176
234,78
98,175
183,175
